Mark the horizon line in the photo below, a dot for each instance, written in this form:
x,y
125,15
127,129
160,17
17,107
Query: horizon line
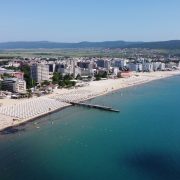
x,y
49,41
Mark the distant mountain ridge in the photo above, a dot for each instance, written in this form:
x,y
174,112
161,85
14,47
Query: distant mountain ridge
x,y
53,45
173,44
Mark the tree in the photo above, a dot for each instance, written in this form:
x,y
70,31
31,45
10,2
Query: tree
x,y
29,93
5,75
73,83
2,63
27,76
68,77
46,83
56,78
89,77
98,77
78,77
104,75
13,68
61,83
0,85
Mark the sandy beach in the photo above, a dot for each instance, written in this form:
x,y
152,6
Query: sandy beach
x,y
14,112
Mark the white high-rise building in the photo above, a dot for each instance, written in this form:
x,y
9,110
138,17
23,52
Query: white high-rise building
x,y
40,72
156,66
135,67
14,85
178,64
148,67
162,66
104,64
120,63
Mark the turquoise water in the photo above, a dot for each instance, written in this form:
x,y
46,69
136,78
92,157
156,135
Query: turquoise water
x,y
142,142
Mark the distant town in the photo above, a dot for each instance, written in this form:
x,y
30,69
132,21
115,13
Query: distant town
x,y
34,86
24,77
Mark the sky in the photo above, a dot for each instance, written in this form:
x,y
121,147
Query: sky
x,y
89,20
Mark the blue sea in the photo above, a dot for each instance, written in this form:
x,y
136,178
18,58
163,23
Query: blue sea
x,y
142,142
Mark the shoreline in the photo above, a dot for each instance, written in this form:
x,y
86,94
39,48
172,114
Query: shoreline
x,y
32,120
60,97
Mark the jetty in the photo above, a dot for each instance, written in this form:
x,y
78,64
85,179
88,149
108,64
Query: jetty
x,y
105,108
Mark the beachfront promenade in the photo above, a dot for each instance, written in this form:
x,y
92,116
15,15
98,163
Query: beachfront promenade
x,y
14,112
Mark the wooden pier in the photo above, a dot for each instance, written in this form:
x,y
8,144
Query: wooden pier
x,y
105,108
